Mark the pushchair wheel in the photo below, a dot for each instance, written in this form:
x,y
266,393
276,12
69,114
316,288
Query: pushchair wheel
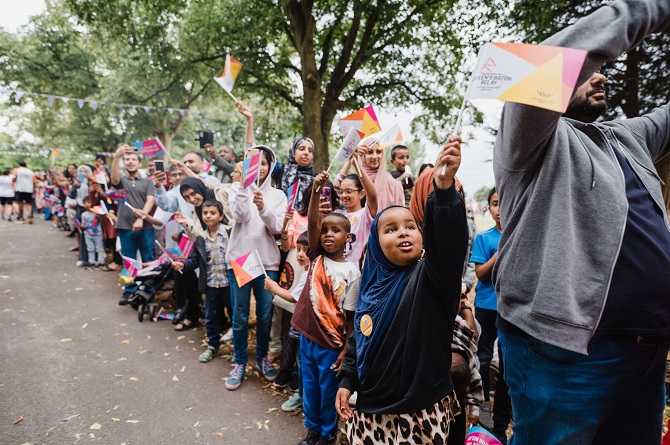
x,y
153,309
143,309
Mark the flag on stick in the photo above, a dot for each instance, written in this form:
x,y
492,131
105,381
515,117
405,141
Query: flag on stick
x,y
251,169
100,209
348,146
364,120
248,267
152,148
132,266
291,194
393,136
117,195
186,246
100,178
230,72
54,153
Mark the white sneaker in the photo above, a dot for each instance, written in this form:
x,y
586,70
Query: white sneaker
x,y
228,336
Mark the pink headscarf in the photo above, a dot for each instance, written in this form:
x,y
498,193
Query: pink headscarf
x,y
389,190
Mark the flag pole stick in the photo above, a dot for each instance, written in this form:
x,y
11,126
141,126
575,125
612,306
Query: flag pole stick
x,y
457,127
231,95
171,260
356,166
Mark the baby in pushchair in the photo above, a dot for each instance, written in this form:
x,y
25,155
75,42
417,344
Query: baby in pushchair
x,y
148,281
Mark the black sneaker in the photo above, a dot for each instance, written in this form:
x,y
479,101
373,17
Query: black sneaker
x,y
294,383
311,439
282,379
125,298
327,440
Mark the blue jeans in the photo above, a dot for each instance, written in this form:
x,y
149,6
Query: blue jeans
x,y
216,300
94,246
614,395
240,298
320,387
131,242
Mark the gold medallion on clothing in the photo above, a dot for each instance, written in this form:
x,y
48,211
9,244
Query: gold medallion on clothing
x,y
366,325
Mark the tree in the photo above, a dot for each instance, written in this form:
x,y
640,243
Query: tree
x,y
638,81
482,193
317,57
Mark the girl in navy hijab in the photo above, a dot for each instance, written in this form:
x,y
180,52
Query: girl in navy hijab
x,y
399,356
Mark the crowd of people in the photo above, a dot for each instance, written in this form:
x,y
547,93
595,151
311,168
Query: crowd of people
x,y
364,306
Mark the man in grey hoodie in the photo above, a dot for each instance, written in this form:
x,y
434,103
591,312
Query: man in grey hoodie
x,y
583,270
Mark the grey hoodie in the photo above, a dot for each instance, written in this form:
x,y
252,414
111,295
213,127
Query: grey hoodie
x,y
253,229
562,192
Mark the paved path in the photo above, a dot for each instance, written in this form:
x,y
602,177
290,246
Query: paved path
x,y
77,368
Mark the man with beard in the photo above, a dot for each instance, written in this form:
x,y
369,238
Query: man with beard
x,y
134,232
194,161
583,265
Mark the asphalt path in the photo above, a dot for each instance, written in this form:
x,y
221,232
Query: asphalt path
x,y
77,368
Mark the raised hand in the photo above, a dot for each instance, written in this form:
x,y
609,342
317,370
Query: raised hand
x,y
449,156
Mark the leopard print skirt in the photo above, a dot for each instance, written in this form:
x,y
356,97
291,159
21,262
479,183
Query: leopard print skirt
x,y
428,426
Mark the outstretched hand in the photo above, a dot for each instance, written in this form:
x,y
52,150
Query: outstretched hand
x,y
319,181
449,156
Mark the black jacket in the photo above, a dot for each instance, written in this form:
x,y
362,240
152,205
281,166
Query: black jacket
x,y
411,369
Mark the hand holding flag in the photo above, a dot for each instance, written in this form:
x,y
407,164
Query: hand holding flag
x,y
291,194
248,267
251,169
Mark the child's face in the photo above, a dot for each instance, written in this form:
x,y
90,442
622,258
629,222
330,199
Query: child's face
x,y
399,236
334,235
304,153
401,159
352,199
301,255
494,208
211,216
87,204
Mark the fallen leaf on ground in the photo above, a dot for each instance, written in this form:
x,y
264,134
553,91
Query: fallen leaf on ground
x,y
126,342
183,368
70,418
95,426
78,288
272,409
134,379
19,420
7,291
197,434
77,436
175,378
91,435
115,419
197,424
123,359
50,430
4,277
30,326
260,425
84,326
65,340
181,337
132,421
118,375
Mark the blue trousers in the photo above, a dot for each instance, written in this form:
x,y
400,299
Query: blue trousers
x,y
319,387
615,395
216,300
240,298
131,242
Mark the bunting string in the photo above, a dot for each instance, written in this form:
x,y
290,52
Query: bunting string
x,y
52,98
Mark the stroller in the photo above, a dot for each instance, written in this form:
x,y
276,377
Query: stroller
x,y
149,281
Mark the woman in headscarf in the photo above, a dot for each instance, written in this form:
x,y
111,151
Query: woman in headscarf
x,y
195,192
299,167
389,191
399,356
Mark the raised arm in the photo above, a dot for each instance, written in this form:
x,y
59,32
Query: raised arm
x,y
313,216
249,115
370,193
606,34
116,164
445,230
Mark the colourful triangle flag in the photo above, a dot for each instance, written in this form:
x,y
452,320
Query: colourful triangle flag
x,y
251,169
186,246
349,144
230,72
100,209
100,178
81,103
538,75
152,148
291,194
117,195
393,136
247,268
132,266
479,436
364,120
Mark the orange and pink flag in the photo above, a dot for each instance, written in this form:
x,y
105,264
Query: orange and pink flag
x,y
248,267
538,75
364,120
231,70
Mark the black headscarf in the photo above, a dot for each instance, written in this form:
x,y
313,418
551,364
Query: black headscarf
x,y
201,189
294,171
